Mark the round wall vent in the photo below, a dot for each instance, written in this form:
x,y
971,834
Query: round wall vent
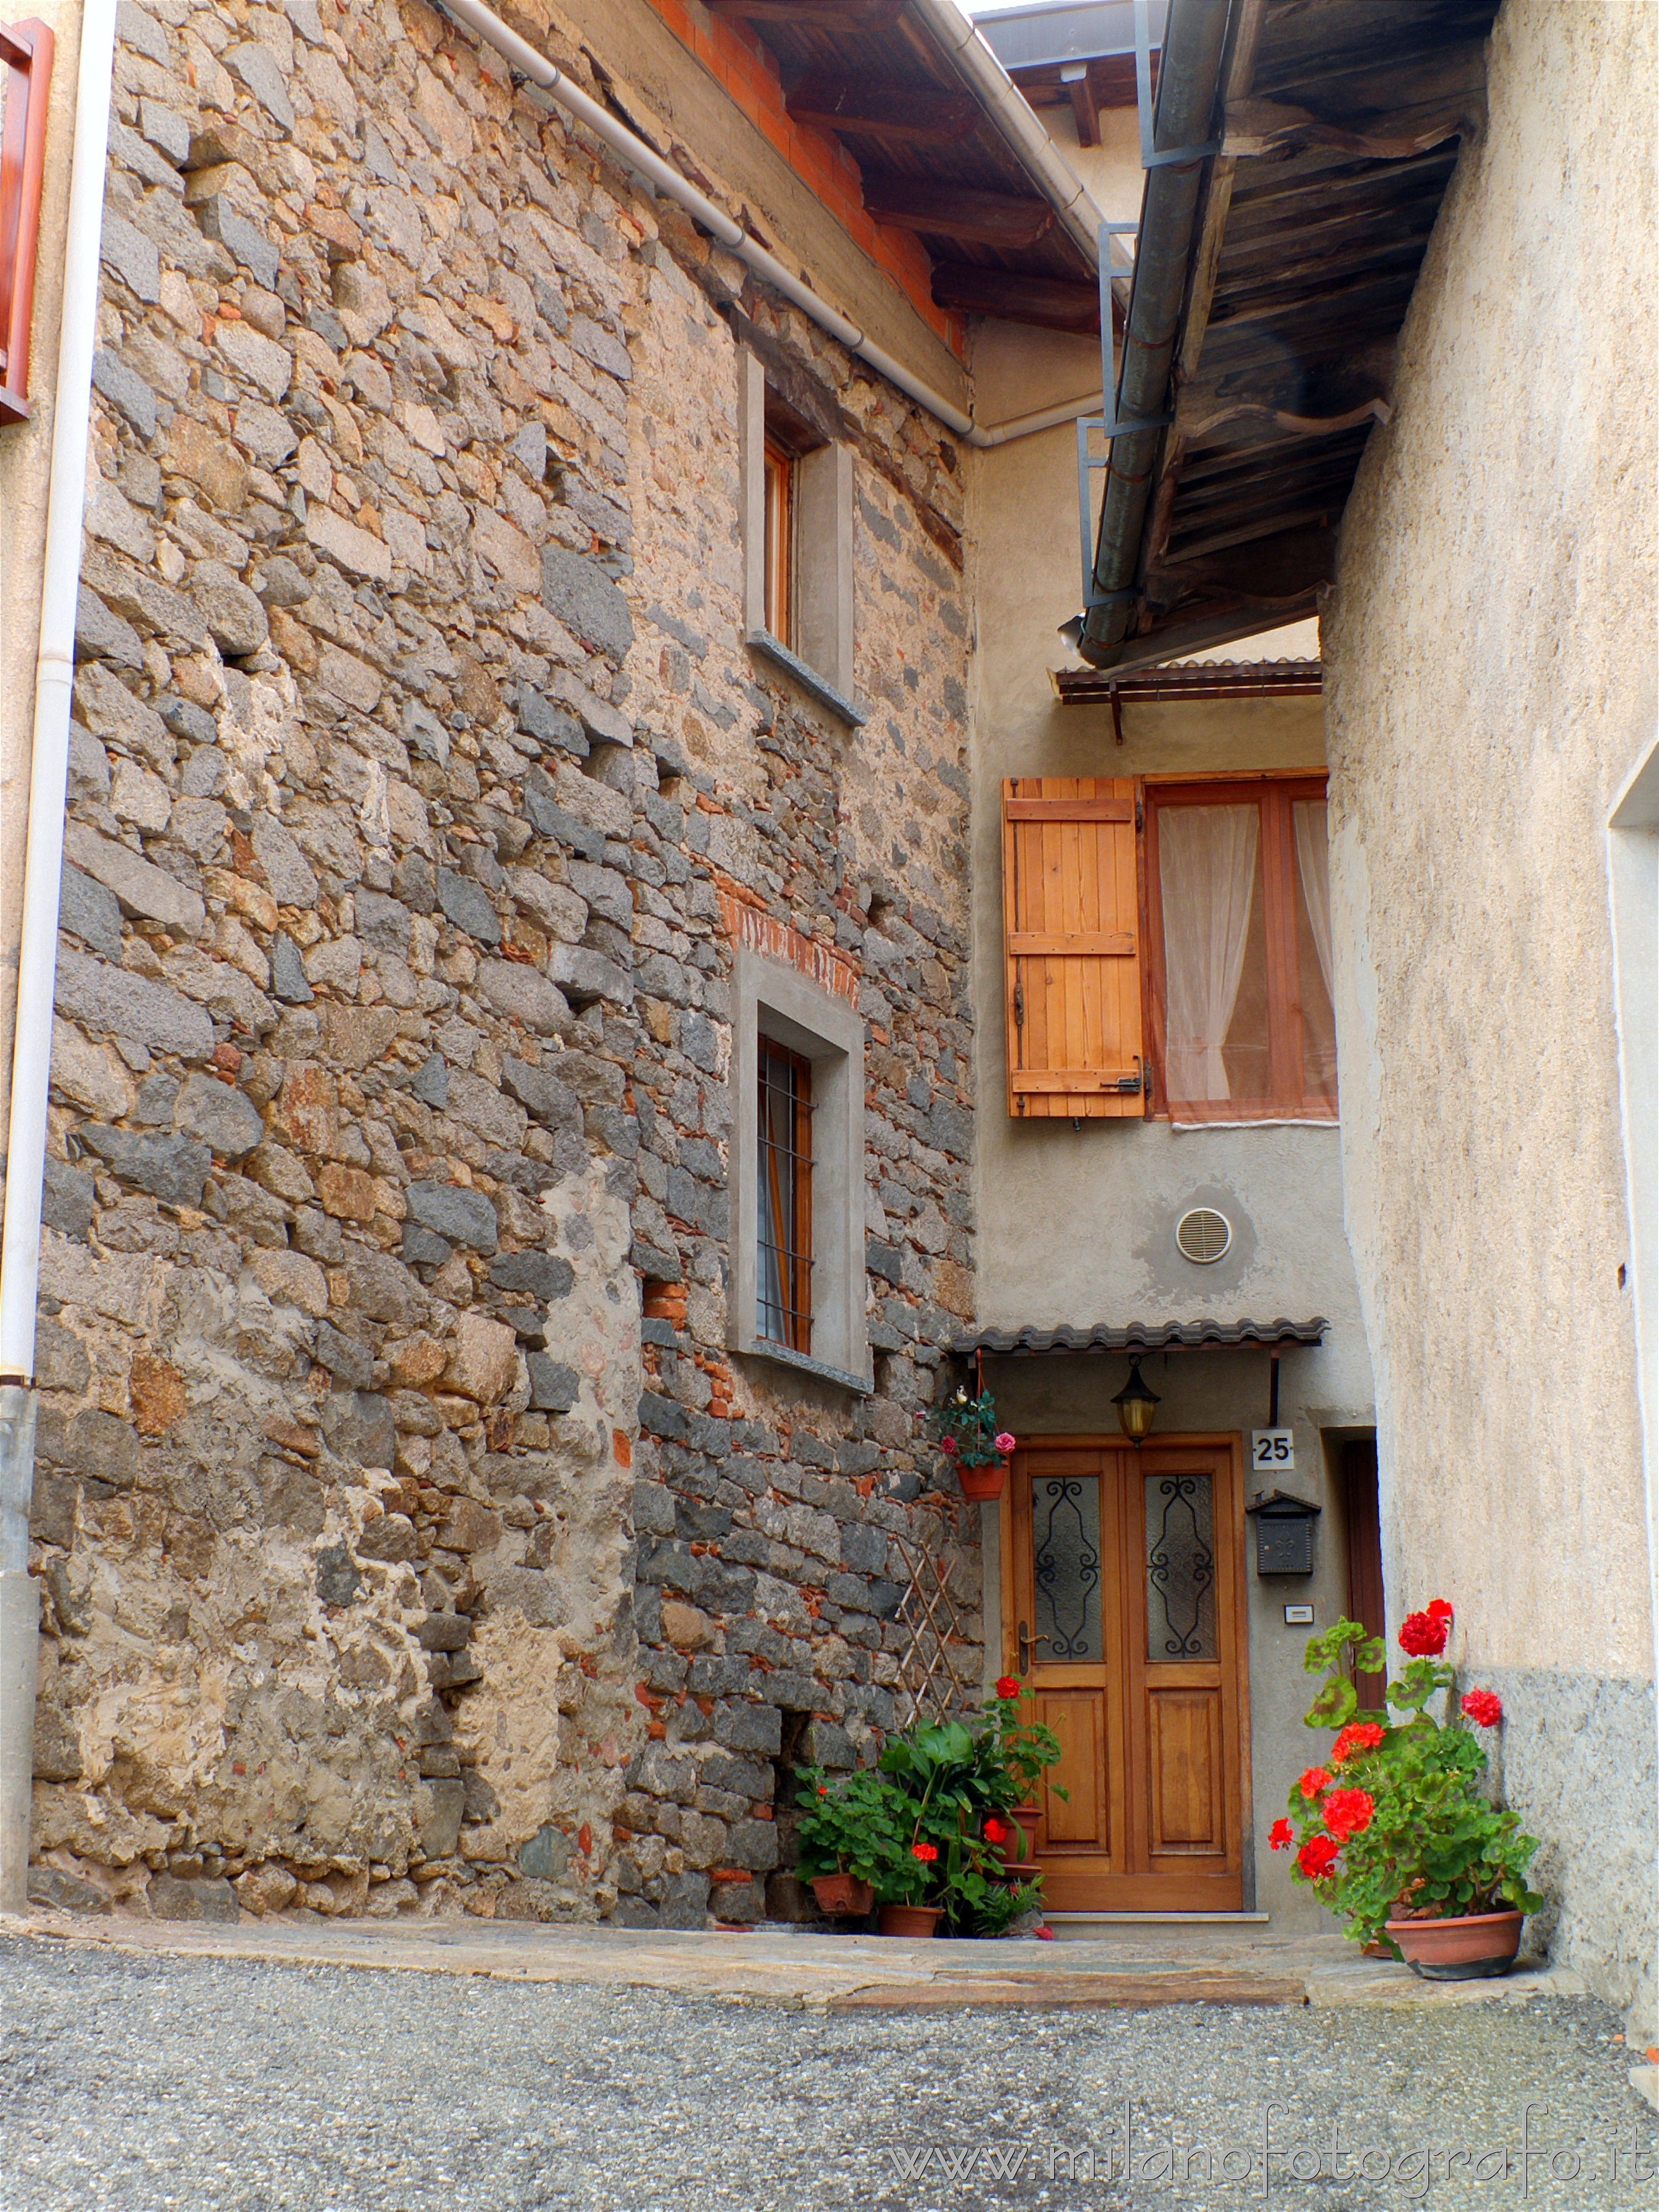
x,y
1203,1235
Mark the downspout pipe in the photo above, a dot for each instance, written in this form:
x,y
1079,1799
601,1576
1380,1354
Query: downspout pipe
x,y
1074,206
1189,75
25,1149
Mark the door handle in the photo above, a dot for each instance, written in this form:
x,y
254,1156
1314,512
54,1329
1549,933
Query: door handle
x,y
1027,1643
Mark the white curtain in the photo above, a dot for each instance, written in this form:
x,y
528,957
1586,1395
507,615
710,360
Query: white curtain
x,y
1313,857
1207,858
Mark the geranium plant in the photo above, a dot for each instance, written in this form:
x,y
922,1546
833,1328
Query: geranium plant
x,y
968,1433
1392,1824
919,1825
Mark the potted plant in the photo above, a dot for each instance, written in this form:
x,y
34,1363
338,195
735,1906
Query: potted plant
x,y
1392,1830
976,1448
1014,1754
917,1827
844,1833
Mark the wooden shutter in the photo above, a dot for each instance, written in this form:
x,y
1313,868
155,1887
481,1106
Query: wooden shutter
x,y
1071,911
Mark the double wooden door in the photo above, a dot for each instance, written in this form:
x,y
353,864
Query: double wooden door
x,y
1123,1612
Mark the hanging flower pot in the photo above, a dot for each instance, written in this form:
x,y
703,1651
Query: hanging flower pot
x,y
910,1919
843,1895
1460,1949
976,1449
984,1484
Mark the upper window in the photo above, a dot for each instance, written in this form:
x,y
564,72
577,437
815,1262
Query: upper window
x,y
1239,914
779,467
797,517
1168,949
783,1198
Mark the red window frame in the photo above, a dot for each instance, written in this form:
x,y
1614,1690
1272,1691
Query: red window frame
x,y
26,50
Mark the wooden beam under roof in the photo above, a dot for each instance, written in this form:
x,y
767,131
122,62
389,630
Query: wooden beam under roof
x,y
1014,297
902,114
1005,219
1078,81
817,14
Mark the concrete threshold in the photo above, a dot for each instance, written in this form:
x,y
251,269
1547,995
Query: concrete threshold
x,y
1131,1966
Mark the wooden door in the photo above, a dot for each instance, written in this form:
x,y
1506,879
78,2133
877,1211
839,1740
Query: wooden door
x,y
1124,1613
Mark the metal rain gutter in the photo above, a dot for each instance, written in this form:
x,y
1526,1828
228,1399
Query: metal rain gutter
x,y
1190,78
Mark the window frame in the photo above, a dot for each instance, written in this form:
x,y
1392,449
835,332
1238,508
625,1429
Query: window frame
x,y
772,1000
1280,790
794,1257
779,466
817,652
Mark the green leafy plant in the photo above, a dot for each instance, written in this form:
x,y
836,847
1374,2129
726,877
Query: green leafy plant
x,y
913,1825
968,1433
1393,1824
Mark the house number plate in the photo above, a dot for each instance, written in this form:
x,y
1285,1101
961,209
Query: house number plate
x,y
1272,1451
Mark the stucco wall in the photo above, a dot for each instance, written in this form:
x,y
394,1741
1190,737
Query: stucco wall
x,y
1077,1225
1489,655
24,461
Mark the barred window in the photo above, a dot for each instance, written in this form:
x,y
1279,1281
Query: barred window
x,y
783,1154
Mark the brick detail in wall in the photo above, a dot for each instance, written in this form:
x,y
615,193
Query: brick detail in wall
x,y
751,926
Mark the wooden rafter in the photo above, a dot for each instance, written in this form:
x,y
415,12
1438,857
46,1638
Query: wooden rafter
x,y
899,114
1051,301
1002,219
814,14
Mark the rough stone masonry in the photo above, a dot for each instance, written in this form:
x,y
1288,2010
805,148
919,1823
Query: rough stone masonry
x,y
407,1538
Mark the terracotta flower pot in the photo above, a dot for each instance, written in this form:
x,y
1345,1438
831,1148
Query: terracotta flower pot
x,y
1018,1846
910,1919
843,1895
984,1484
1459,1949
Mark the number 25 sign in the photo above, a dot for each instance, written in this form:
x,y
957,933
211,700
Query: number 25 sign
x,y
1272,1451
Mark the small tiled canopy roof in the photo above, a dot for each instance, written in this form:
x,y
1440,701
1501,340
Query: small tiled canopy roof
x,y
1145,1336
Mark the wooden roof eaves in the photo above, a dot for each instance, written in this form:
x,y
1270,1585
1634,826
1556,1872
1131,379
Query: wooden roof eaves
x,y
1214,349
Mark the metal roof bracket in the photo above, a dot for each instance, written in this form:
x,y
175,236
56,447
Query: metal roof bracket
x,y
1150,158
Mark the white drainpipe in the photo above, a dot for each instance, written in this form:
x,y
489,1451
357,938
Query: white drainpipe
x,y
20,1253
975,63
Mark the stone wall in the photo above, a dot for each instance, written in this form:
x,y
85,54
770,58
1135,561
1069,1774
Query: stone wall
x,y
416,751
1490,653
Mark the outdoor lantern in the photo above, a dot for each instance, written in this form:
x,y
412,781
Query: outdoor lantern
x,y
1134,1403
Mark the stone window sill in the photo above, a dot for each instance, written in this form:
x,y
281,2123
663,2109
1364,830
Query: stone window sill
x,y
771,648
780,1355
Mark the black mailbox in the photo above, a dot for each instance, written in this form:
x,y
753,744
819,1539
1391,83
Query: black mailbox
x,y
1284,1533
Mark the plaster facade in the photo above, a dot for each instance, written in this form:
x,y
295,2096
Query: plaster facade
x,y
25,464
1490,654
1077,1225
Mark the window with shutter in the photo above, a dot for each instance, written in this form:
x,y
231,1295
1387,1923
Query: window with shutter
x,y
1071,912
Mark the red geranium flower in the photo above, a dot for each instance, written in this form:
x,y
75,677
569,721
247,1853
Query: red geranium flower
x,y
1317,1856
1347,1812
1314,1781
1007,1686
1281,1835
1358,1735
1484,1707
997,1831
925,1852
1423,1635
1439,1608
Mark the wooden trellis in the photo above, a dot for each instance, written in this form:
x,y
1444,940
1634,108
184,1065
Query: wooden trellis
x,y
940,1665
